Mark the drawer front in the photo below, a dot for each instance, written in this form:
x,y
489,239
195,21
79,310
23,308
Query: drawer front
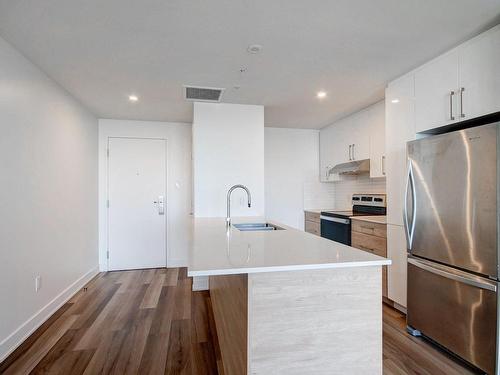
x,y
374,229
312,227
312,216
373,244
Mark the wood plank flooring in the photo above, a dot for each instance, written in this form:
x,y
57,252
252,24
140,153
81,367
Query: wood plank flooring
x,y
150,322
131,322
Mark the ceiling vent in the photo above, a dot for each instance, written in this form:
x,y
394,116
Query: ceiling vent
x,y
203,94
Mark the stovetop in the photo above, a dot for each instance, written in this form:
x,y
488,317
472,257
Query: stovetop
x,y
363,205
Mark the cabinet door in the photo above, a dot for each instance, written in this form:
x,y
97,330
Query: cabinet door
x,y
396,272
377,140
359,135
436,93
480,75
399,129
326,152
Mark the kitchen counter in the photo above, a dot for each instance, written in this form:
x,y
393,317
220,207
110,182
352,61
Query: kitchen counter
x,y
287,301
218,252
380,219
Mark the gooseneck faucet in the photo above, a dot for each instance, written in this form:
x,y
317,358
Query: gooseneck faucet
x,y
231,189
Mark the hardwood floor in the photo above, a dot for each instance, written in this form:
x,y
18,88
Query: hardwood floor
x,y
131,322
150,322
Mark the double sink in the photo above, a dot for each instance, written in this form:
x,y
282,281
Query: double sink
x,y
253,227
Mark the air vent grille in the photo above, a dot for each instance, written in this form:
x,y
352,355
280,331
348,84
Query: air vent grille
x,y
203,94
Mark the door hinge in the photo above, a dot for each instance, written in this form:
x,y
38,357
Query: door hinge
x,y
107,152
107,203
107,254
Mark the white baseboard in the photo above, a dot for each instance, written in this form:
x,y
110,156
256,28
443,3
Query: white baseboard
x,y
200,283
16,338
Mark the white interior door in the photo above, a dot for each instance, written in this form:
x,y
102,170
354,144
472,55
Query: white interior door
x,y
136,193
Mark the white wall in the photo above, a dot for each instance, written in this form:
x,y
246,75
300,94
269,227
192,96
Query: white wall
x,y
228,149
291,162
179,182
48,197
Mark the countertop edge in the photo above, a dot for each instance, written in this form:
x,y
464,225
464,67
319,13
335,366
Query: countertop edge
x,y
299,267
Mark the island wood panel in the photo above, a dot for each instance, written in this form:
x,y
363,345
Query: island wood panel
x,y
229,296
315,322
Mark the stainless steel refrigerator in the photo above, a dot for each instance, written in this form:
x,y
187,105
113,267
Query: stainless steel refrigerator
x,y
451,223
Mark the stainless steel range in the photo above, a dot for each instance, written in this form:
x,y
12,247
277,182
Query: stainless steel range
x,y
336,225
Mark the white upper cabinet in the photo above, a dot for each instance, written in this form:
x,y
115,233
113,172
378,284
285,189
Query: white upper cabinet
x,y
399,129
480,75
347,140
358,137
329,153
459,85
377,140
436,86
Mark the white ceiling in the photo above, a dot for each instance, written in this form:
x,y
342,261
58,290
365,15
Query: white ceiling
x,y
101,51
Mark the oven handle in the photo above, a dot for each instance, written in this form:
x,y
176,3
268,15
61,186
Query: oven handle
x,y
335,219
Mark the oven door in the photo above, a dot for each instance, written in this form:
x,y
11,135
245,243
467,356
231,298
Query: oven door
x,y
336,229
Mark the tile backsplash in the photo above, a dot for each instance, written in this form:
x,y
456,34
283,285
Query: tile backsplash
x,y
343,190
318,195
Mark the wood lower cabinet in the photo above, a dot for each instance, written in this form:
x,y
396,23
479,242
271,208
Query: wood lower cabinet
x,y
371,237
312,222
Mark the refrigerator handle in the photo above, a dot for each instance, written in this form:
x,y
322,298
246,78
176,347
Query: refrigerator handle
x,y
409,229
452,274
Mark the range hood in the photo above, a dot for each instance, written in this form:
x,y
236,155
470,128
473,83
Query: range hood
x,y
355,167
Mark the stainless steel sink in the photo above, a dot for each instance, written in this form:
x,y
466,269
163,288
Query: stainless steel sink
x,y
248,227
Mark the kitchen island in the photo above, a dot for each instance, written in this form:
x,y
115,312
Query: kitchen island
x,y
289,302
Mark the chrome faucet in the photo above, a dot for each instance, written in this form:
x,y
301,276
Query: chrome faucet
x,y
228,217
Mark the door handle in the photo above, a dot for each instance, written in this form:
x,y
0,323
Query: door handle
x,y
383,165
350,146
462,114
335,219
409,230
452,93
353,156
161,205
452,274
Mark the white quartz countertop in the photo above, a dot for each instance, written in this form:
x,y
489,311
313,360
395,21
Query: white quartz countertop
x,y
380,219
216,251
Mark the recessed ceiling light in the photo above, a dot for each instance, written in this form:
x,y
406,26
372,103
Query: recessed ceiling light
x,y
254,48
133,98
321,94
395,101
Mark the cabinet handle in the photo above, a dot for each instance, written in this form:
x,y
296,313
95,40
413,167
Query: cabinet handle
x,y
353,157
452,93
383,165
462,114
350,152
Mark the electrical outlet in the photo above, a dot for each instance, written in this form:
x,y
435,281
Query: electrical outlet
x,y
38,283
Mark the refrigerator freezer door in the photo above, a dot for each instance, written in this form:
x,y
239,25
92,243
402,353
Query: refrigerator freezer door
x,y
454,310
454,198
